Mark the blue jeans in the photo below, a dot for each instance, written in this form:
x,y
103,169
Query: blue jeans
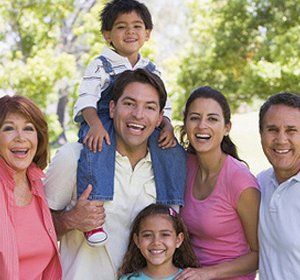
x,y
97,169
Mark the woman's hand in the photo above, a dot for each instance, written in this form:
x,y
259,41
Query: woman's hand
x,y
205,273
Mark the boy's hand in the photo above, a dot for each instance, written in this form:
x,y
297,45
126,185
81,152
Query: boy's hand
x,y
95,136
167,138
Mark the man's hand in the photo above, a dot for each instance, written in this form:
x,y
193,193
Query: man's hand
x,y
88,214
85,216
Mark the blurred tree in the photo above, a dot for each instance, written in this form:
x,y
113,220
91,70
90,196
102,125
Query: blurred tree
x,y
244,48
46,45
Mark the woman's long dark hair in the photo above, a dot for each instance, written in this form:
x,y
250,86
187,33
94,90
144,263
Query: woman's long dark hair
x,y
183,257
227,146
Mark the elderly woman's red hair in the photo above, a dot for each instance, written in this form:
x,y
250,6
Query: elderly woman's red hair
x,y
21,105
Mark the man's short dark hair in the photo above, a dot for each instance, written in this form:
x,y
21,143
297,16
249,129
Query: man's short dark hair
x,y
114,8
284,98
140,76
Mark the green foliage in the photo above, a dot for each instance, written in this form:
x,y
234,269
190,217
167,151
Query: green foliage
x,y
36,77
47,45
53,127
246,49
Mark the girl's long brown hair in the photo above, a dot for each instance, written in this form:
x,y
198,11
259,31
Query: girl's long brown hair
x,y
183,257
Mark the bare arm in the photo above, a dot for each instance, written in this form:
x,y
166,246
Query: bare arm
x,y
248,210
97,132
85,216
90,116
166,137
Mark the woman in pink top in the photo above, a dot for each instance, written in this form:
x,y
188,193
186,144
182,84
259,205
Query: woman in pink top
x,y
222,196
28,244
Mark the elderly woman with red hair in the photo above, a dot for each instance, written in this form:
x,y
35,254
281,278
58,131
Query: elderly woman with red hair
x,y
28,244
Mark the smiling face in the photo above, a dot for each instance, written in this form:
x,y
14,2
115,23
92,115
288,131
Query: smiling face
x,y
205,125
18,142
135,116
280,139
128,35
157,241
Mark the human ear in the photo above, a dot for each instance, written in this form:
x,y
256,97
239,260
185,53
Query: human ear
x,y
112,107
227,129
107,36
148,34
136,240
179,239
160,118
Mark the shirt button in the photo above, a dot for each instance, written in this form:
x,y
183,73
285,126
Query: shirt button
x,y
50,230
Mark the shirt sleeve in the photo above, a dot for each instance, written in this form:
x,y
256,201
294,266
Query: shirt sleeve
x,y
90,88
242,180
168,107
60,182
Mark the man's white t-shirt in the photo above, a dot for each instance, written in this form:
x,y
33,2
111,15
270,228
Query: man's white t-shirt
x,y
133,191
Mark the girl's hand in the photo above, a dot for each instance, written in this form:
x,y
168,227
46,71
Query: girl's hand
x,y
95,136
167,138
204,273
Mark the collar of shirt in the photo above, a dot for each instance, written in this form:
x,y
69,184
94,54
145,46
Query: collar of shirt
x,y
8,239
117,59
296,177
34,173
147,158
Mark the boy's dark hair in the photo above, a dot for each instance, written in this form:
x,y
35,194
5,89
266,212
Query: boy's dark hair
x,y
183,257
141,76
284,98
114,8
227,146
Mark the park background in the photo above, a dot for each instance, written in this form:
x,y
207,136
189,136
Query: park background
x,y
247,49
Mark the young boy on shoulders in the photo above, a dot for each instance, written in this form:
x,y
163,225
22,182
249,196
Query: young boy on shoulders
x,y
126,26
